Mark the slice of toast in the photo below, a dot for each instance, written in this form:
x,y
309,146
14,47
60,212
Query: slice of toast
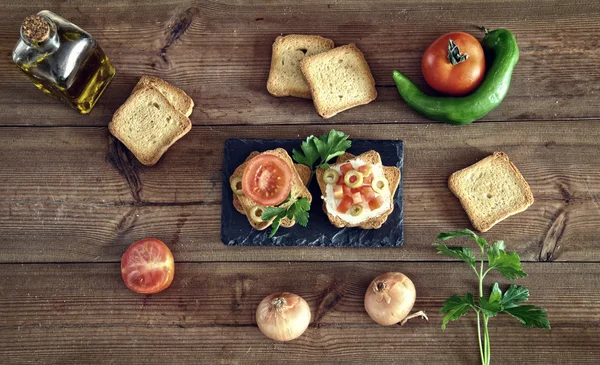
x,y
391,173
177,97
285,77
303,171
299,189
491,190
339,79
148,125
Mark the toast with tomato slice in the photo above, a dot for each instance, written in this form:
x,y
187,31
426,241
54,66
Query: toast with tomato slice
x,y
392,175
300,177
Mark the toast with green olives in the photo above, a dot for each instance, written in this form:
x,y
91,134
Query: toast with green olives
x,y
384,182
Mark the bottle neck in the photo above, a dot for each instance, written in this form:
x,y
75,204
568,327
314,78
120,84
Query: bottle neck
x,y
40,33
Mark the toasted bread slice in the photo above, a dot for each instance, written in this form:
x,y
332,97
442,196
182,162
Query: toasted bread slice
x,y
303,171
177,97
339,79
285,77
391,173
299,189
148,125
491,190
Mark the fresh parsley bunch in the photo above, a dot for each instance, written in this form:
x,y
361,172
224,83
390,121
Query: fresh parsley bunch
x,y
509,302
298,210
322,149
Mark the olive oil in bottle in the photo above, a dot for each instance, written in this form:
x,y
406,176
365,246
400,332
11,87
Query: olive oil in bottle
x,y
63,60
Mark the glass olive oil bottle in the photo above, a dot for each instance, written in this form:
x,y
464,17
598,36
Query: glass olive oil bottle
x,y
63,60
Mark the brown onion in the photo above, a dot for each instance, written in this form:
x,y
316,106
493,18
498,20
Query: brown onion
x,y
389,298
283,316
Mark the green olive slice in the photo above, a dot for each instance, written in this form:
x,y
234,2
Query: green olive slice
x,y
256,213
356,210
379,184
330,176
356,182
236,186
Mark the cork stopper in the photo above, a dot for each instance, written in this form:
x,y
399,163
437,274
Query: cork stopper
x,y
35,28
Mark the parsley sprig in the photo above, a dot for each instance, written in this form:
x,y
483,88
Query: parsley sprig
x,y
298,210
509,302
321,149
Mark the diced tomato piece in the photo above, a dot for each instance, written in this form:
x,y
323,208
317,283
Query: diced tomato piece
x,y
367,180
368,193
344,205
376,202
366,169
354,191
347,190
341,180
356,198
338,192
346,167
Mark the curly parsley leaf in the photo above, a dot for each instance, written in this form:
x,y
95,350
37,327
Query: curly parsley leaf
x,y
530,316
461,253
456,307
508,264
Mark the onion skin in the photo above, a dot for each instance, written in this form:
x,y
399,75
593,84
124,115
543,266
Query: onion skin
x,y
390,298
283,316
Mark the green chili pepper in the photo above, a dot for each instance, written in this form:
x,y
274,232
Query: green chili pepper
x,y
502,45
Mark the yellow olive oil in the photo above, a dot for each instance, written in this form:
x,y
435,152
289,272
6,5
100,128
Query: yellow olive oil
x,y
63,60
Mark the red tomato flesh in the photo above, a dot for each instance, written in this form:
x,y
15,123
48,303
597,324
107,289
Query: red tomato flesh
x,y
376,202
356,198
366,170
345,168
338,192
367,193
267,180
147,267
344,205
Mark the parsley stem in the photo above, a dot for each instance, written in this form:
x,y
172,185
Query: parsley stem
x,y
479,338
486,339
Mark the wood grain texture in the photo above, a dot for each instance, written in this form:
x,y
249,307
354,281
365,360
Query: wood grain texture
x,y
219,53
67,206
209,312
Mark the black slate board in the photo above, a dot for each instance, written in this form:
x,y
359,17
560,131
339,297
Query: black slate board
x,y
235,229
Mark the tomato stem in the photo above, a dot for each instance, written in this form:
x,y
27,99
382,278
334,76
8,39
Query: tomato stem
x,y
454,55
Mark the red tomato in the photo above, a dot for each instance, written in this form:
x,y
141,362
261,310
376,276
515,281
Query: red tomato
x,y
376,202
356,198
344,205
347,190
366,169
346,167
368,180
341,180
368,193
147,266
267,180
454,79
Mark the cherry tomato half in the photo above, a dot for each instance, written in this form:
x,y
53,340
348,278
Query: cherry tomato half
x,y
454,79
267,180
147,267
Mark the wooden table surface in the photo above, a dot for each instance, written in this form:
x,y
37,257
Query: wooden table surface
x,y
72,199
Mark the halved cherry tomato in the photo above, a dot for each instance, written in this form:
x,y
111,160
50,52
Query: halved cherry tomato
x,y
267,180
346,167
338,192
147,266
366,169
459,78
344,205
368,193
376,202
